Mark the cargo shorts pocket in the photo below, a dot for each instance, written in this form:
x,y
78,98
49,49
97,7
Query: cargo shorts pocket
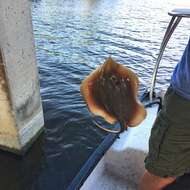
x,y
158,133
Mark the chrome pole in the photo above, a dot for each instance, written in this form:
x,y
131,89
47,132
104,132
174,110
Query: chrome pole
x,y
170,29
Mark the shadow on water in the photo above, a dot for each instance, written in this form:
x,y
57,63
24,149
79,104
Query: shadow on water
x,y
20,172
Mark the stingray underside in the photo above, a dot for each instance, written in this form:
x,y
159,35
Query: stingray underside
x,y
111,92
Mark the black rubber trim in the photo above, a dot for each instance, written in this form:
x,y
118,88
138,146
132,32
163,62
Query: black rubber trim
x,y
91,163
157,100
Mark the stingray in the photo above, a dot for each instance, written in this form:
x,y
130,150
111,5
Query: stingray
x,y
111,92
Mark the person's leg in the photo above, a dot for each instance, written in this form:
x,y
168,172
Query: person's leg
x,y
169,144
152,182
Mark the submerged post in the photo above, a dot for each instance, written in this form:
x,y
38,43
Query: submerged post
x,y
21,115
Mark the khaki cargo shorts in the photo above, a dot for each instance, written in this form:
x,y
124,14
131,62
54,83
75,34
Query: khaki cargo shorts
x,y
169,143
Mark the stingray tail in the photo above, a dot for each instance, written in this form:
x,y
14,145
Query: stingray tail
x,y
123,125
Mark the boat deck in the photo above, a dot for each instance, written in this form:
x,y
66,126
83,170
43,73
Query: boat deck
x,y
117,183
123,164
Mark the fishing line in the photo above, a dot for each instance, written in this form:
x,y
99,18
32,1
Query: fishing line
x,y
105,129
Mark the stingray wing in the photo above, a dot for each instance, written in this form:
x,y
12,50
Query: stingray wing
x,y
87,90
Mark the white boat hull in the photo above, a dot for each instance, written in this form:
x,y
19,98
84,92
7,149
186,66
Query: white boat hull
x,y
123,164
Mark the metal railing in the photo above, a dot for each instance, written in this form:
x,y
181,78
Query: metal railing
x,y
177,15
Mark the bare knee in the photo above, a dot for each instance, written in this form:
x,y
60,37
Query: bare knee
x,y
152,182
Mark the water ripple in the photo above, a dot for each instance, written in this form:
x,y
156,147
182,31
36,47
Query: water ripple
x,y
72,39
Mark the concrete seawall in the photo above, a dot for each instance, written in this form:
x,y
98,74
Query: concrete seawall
x,y
21,115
